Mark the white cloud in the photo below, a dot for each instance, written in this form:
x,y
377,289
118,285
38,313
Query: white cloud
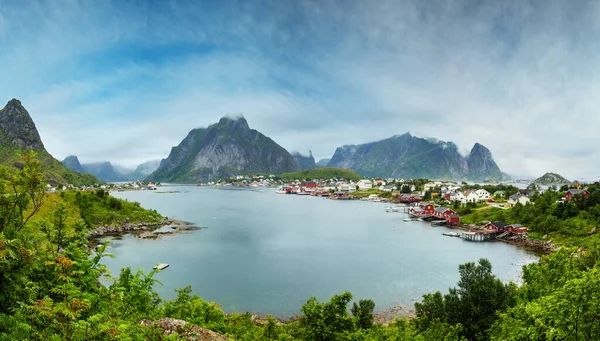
x,y
518,77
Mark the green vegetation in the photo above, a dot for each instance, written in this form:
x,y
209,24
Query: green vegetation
x,y
321,173
551,179
99,208
51,287
564,222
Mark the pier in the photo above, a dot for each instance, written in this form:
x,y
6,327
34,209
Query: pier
x,y
478,236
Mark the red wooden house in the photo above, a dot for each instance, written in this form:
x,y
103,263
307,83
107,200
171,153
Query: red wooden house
x,y
573,192
443,212
497,226
310,184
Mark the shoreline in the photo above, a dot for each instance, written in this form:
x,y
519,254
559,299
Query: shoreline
x,y
143,230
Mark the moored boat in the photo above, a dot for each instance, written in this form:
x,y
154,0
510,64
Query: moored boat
x,y
451,234
161,266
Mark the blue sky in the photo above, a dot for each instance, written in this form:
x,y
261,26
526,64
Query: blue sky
x,y
126,80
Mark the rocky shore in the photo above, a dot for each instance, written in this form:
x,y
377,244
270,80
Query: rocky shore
x,y
144,230
538,247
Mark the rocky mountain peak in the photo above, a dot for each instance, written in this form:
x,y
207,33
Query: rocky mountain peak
x,y
238,122
17,128
72,163
482,164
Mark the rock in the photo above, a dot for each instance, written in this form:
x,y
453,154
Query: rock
x,y
545,236
185,330
593,230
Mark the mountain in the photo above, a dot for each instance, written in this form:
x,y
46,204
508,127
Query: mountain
x,y
72,163
407,156
143,170
323,163
226,148
481,164
551,179
18,135
305,162
105,171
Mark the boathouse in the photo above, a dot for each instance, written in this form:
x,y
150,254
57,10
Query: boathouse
x,y
497,226
443,212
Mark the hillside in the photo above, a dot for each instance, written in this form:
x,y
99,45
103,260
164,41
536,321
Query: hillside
x,y
551,179
323,163
322,173
18,135
223,149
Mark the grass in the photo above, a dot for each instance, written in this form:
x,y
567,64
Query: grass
x,y
322,173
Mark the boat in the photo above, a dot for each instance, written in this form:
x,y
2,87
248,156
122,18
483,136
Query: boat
x,y
161,266
392,209
408,219
281,190
451,234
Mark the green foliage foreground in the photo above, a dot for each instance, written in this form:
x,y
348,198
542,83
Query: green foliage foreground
x,y
50,289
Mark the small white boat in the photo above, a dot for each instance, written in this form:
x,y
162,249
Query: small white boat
x,y
392,209
451,234
161,266
408,219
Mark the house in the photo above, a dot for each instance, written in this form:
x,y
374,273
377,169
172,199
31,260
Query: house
x,y
344,187
379,182
416,211
427,207
497,226
364,184
453,219
499,194
408,198
458,196
516,228
471,196
312,185
373,197
573,192
443,212
387,188
429,186
518,198
482,194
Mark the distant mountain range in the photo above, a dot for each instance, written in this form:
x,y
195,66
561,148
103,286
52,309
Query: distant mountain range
x,y
223,149
108,172
230,147
407,156
304,162
18,135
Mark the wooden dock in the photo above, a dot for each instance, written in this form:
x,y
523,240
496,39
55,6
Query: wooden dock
x,y
477,236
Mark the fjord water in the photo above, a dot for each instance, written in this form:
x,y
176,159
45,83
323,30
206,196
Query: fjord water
x,y
267,253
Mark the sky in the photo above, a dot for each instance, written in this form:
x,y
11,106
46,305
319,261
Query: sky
x,y
125,81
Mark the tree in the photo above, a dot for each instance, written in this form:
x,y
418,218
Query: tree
x,y
473,304
326,321
363,313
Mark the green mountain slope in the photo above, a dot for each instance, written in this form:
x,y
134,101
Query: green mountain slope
x,y
551,179
19,135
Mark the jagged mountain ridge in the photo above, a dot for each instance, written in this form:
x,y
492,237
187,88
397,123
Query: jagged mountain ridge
x,y
108,172
407,156
18,135
226,148
305,162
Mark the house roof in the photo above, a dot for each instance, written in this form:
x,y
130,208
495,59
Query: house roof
x,y
417,209
516,226
441,209
499,225
515,196
576,191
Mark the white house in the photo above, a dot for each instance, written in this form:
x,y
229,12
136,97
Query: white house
x,y
458,196
472,197
518,198
429,186
483,194
387,188
365,184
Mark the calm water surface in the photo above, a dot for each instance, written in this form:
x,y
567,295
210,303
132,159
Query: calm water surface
x,y
268,253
